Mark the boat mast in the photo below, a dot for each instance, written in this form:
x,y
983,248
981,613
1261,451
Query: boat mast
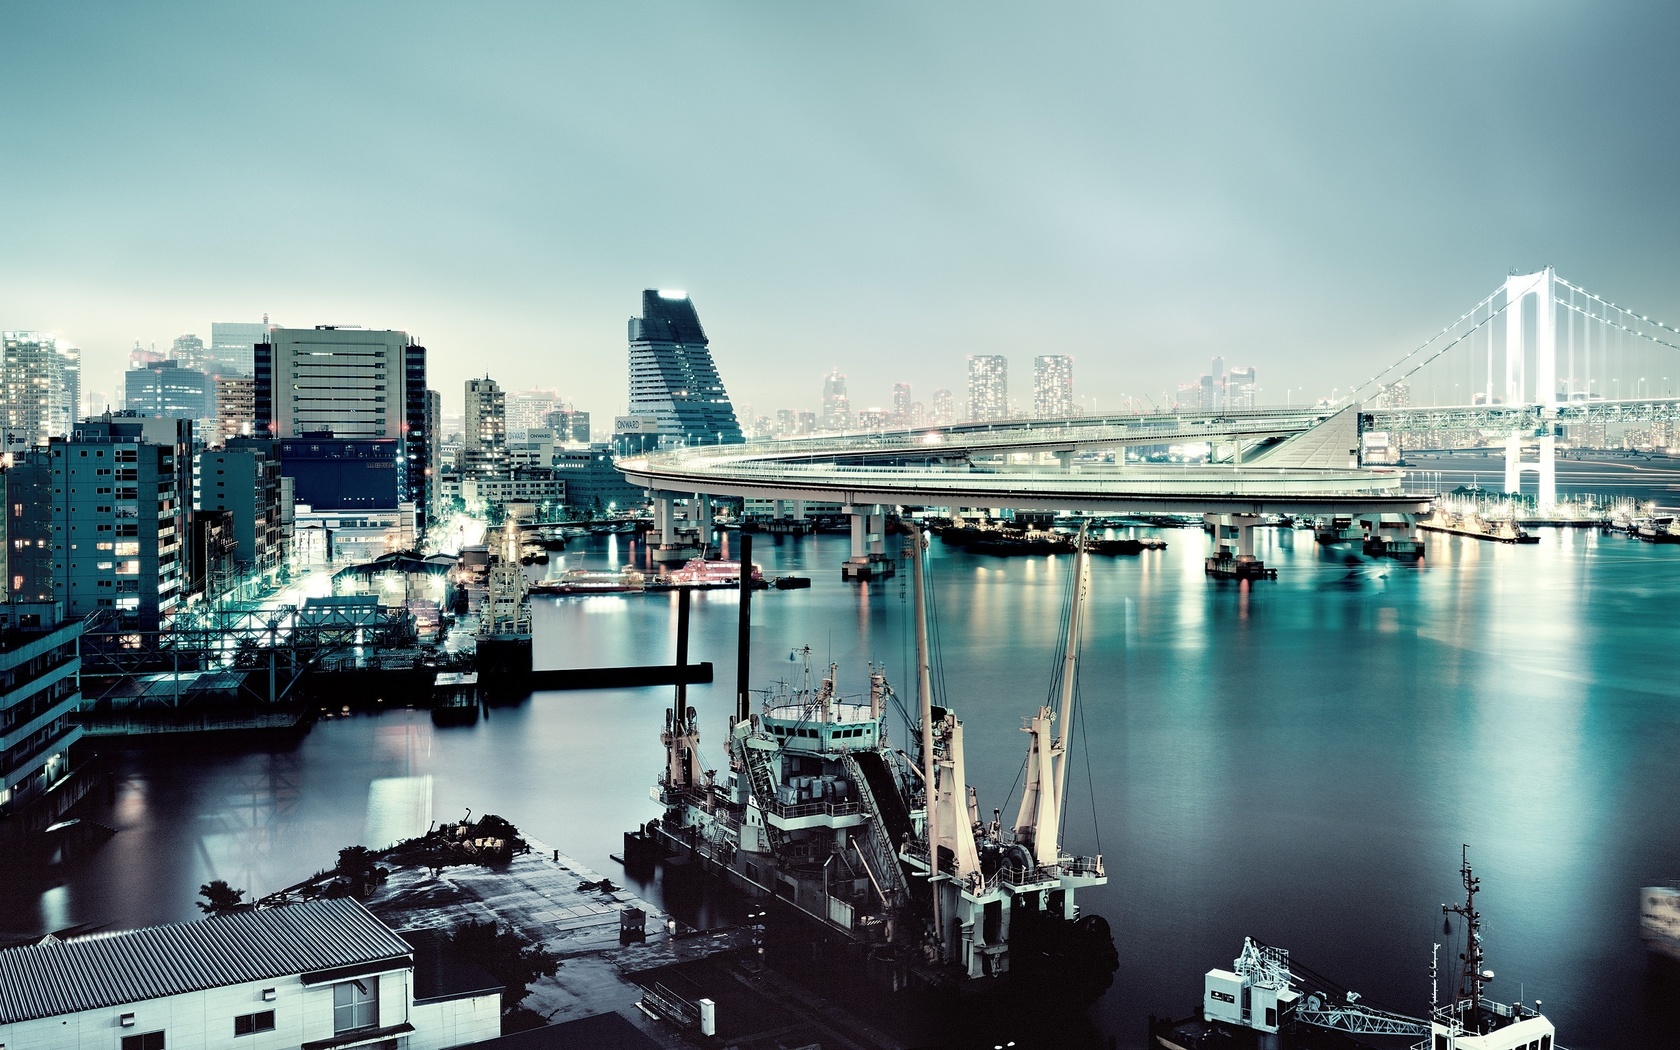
x,y
924,693
1070,668
1471,977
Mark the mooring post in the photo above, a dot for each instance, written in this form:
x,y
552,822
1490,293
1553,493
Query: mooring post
x,y
743,654
682,646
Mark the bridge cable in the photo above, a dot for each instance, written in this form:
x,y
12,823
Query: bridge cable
x,y
1468,313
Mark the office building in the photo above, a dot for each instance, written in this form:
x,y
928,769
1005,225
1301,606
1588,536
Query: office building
x,y
358,384
39,387
902,402
188,351
543,487
166,389
338,474
836,406
1052,386
242,479
39,662
434,452
570,426
233,345
236,408
944,408
316,974
672,378
28,534
593,484
528,410
121,487
988,387
1241,389
484,440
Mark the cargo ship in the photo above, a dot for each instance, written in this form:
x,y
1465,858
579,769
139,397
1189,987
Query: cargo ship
x,y
882,852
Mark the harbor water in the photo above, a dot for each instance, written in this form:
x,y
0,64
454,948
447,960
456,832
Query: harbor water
x,y
1298,760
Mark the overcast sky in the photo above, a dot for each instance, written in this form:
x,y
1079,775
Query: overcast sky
x,y
1310,188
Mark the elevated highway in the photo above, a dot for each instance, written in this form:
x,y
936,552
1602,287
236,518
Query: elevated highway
x,y
1277,461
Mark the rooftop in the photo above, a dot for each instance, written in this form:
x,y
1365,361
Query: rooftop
x,y
61,977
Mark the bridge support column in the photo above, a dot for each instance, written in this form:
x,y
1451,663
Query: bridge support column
x,y
1233,556
869,560
670,546
704,519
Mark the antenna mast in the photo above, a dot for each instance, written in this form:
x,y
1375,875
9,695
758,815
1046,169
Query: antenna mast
x,y
1471,977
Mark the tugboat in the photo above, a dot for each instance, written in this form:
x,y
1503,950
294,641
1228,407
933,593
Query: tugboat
x,y
819,809
1267,1002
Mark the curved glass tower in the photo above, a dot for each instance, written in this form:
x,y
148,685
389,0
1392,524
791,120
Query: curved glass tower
x,y
672,378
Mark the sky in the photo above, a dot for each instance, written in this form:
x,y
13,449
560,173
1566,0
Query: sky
x,y
883,188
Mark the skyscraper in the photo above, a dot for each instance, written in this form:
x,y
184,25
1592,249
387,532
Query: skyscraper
x,y
236,407
526,410
944,408
39,386
901,415
988,387
1240,388
167,389
434,450
1053,386
484,442
188,351
232,344
836,406
672,377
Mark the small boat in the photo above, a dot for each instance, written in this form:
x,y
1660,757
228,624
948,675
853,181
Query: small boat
x,y
707,573
792,583
1125,545
592,581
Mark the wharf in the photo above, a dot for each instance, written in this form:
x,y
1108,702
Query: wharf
x,y
541,895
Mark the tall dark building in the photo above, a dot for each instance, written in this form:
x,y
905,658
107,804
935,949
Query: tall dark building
x,y
672,377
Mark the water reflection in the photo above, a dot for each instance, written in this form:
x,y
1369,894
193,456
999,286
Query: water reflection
x,y
1296,759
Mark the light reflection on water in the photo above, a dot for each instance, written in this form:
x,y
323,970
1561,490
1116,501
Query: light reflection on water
x,y
1298,760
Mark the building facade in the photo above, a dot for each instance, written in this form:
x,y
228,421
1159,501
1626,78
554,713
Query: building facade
x,y
1053,386
120,489
988,387
39,661
236,407
318,974
168,389
357,384
672,377
836,405
40,384
484,441
233,345
243,480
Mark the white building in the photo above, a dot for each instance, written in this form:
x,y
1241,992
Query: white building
x,y
311,976
988,387
1053,386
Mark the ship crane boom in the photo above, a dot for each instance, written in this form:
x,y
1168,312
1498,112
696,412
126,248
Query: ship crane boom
x,y
1358,1020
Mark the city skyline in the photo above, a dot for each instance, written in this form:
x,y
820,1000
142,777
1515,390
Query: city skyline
x,y
1279,223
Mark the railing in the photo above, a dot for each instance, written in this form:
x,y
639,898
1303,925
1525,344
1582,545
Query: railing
x,y
811,809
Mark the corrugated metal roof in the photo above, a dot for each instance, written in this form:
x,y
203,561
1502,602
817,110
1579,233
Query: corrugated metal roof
x,y
60,977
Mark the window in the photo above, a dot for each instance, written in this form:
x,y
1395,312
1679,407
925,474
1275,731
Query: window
x,y
355,1005
144,1041
245,1024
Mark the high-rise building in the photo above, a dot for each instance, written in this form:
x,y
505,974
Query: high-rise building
x,y
527,409
236,408
1241,390
40,382
988,387
901,402
242,480
1052,386
944,411
188,351
67,404
39,660
355,383
434,451
166,389
484,448
672,377
232,346
142,356
120,519
836,406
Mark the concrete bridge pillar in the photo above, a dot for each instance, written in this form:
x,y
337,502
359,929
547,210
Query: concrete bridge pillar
x,y
798,510
860,532
877,531
704,518
869,560
1243,525
665,518
779,510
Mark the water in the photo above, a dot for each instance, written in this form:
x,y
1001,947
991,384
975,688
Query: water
x,y
1298,760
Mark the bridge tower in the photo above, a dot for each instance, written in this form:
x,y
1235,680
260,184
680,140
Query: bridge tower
x,y
1543,286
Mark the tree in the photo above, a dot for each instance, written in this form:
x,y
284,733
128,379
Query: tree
x,y
221,899
356,866
508,957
